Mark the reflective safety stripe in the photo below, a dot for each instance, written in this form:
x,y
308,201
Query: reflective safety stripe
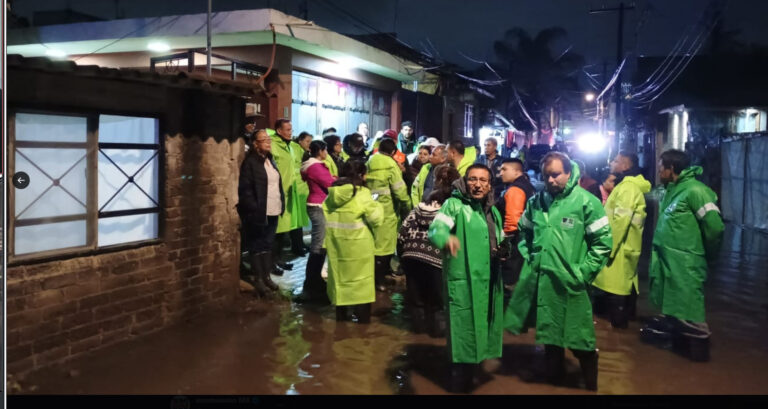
x,y
344,226
706,208
525,222
383,191
597,225
620,211
399,185
445,219
638,220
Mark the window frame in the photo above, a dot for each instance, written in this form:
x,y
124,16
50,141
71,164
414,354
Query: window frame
x,y
93,150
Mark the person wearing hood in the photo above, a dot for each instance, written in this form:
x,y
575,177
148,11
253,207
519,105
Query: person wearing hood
x,y
420,158
422,260
351,219
354,148
688,234
261,201
468,229
625,209
385,180
565,242
334,160
284,153
318,178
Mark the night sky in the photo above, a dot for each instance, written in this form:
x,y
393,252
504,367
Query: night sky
x,y
470,27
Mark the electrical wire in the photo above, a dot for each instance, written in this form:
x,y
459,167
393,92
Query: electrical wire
x,y
143,26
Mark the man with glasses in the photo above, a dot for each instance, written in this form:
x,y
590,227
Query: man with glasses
x,y
565,242
469,229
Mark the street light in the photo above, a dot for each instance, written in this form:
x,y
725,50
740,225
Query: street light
x,y
589,97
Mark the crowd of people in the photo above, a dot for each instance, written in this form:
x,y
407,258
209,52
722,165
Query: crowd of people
x,y
481,250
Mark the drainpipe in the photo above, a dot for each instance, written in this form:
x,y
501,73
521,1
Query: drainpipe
x,y
208,65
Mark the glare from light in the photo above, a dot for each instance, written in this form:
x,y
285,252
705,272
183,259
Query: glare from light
x,y
675,130
485,132
589,97
567,131
158,46
591,142
685,127
348,63
51,52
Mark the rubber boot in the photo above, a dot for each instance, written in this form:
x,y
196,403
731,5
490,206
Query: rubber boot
x,y
618,311
342,313
297,242
418,320
315,290
631,305
259,289
436,323
380,272
363,313
657,338
266,262
588,363
461,378
555,357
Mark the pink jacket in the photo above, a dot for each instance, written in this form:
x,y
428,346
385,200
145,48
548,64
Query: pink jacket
x,y
318,178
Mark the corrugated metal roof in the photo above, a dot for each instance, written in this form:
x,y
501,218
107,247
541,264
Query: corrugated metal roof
x,y
180,79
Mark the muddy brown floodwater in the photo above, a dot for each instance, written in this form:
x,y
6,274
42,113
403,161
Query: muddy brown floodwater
x,y
278,347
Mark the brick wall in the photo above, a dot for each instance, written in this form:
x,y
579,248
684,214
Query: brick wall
x,y
58,310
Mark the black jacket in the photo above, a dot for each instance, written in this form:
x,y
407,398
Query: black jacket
x,y
252,190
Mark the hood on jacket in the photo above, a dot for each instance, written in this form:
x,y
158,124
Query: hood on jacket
x,y
309,162
573,181
340,193
690,173
640,182
381,161
460,192
426,212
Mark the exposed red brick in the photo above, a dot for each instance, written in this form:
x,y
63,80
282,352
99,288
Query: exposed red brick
x,y
84,331
81,290
122,321
110,337
49,342
56,311
52,356
77,319
124,268
93,301
84,345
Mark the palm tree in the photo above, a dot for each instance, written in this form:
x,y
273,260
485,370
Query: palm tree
x,y
535,77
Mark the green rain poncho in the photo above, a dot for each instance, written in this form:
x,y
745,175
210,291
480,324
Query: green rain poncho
x,y
350,216
565,242
417,190
689,231
302,189
473,287
386,180
625,209
283,155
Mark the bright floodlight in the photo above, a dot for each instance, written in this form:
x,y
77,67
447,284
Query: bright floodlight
x,y
591,142
589,97
55,53
158,46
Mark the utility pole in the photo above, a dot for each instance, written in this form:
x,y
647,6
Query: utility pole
x,y
619,56
208,64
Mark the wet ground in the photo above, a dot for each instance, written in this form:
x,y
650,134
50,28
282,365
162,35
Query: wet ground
x,y
278,347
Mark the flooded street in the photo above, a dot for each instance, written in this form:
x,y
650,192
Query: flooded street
x,y
278,347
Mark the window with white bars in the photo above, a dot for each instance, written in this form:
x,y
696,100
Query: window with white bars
x,y
93,182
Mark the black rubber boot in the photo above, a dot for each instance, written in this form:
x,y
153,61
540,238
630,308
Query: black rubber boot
x,y
363,313
436,323
314,289
461,378
257,265
588,363
617,306
555,357
297,242
631,305
418,320
380,272
266,262
342,313
657,338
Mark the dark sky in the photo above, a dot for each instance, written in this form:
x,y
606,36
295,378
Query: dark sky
x,y
469,26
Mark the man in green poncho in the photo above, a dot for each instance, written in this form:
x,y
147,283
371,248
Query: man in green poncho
x,y
688,234
469,229
565,242
283,153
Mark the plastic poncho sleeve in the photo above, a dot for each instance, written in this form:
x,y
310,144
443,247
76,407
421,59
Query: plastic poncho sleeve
x,y
400,193
373,213
525,227
598,237
417,189
441,227
621,215
702,203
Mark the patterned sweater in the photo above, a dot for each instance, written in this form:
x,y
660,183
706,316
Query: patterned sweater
x,y
412,242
